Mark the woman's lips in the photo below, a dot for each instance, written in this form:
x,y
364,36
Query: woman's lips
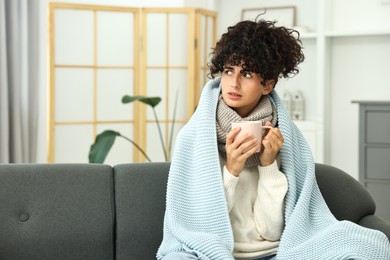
x,y
233,95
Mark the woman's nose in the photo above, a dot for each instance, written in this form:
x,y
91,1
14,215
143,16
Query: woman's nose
x,y
235,81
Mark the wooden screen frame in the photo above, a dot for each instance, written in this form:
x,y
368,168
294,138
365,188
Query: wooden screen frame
x,y
139,116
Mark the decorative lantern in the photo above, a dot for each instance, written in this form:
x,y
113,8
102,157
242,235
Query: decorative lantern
x,y
287,101
298,106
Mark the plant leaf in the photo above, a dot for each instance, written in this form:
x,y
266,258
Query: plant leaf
x,y
103,143
151,101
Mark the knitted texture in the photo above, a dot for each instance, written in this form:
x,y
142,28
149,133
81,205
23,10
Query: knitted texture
x,y
197,220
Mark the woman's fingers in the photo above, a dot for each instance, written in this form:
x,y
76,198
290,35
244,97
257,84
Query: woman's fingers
x,y
241,143
231,135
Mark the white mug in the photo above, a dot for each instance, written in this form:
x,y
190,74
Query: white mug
x,y
253,127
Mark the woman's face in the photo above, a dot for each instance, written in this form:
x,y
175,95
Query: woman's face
x,y
242,90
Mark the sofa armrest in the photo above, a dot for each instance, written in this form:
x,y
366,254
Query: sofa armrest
x,y
375,222
346,198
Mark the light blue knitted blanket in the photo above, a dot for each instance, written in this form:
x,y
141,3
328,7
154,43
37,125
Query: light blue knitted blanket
x,y
197,219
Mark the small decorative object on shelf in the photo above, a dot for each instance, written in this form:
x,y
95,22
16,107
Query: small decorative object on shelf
x,y
298,106
287,101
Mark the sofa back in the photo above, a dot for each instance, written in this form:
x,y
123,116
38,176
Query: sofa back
x,y
140,190
62,211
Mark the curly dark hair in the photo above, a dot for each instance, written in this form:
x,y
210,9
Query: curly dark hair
x,y
260,47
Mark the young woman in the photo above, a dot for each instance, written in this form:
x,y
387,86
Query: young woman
x,y
227,201
254,186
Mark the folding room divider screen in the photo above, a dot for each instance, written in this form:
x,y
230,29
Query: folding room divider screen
x,y
98,54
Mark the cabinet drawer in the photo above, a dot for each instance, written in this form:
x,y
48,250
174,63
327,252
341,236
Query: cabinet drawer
x,y
378,163
378,126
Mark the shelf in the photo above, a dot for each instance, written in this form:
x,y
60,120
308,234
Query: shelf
x,y
308,35
313,35
358,33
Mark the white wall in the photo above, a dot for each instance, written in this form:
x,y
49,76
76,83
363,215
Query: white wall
x,y
359,15
348,83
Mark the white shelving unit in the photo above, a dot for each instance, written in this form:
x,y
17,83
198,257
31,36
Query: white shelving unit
x,y
346,58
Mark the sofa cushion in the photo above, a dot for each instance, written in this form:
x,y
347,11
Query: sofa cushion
x,y
62,211
140,191
346,198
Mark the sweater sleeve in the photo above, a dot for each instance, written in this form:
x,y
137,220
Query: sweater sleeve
x,y
269,204
230,182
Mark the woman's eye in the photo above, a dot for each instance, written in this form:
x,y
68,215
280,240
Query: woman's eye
x,y
247,75
228,72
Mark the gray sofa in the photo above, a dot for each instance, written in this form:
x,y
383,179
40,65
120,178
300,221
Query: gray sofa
x,y
95,211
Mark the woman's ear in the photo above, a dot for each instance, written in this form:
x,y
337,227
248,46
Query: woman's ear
x,y
268,86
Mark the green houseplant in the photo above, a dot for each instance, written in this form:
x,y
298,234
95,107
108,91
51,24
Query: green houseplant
x,y
104,141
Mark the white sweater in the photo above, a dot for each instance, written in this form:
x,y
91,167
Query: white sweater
x,y
256,207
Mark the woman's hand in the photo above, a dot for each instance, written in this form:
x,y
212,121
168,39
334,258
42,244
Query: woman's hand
x,y
270,145
237,151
